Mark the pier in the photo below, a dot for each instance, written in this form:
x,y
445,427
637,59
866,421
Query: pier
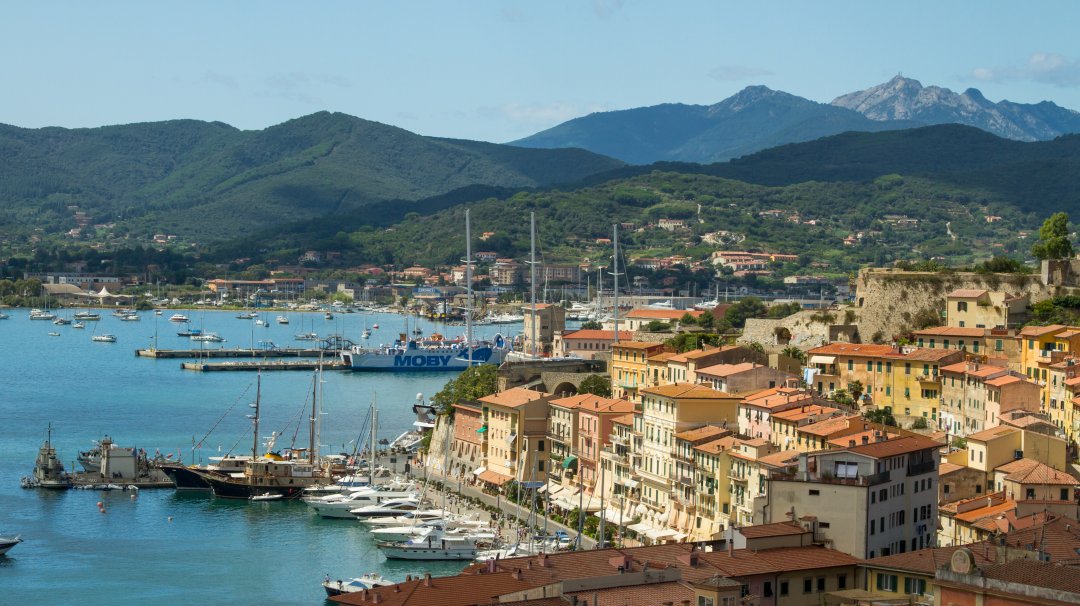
x,y
284,352
279,365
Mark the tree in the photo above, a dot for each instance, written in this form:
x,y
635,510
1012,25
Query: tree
x,y
591,325
656,326
706,320
750,307
1053,240
473,383
855,388
881,417
596,385
687,319
794,352
1001,265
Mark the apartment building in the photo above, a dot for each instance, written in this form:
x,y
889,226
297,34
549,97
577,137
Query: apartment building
x,y
743,377
630,368
869,500
975,396
756,409
515,436
979,308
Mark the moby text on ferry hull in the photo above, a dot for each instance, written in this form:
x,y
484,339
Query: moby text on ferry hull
x,y
420,360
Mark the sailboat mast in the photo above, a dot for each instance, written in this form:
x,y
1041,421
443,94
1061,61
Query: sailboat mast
x,y
468,289
532,277
314,415
374,432
255,421
615,273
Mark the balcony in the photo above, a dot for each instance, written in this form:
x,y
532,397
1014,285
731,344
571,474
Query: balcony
x,y
685,481
740,474
870,480
920,468
929,378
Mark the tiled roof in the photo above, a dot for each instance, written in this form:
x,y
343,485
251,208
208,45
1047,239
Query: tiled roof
x,y
798,414
993,432
594,403
952,331
598,335
650,594
1003,381
687,390
895,446
726,370
1037,574
716,446
1028,471
827,427
778,397
975,370
992,511
777,529
782,459
461,590
663,314
846,441
693,435
1059,538
924,561
514,397
744,562
881,351
966,293
638,345
946,468
1038,331
624,420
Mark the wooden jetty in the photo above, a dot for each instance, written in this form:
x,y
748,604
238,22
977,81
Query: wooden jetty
x,y
284,352
278,365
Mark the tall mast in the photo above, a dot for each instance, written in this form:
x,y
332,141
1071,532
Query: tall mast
x,y
468,289
314,415
532,276
374,443
615,273
255,420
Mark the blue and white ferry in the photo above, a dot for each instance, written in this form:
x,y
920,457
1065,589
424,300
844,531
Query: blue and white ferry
x,y
436,354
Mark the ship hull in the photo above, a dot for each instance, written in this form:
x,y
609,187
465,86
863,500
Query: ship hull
x,y
184,478
229,488
418,360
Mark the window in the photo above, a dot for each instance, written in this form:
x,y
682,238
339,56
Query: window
x,y
914,586
1029,493
815,493
841,581
540,445
783,587
886,582
821,584
851,364
540,465
807,585
767,591
704,601
907,365
1064,494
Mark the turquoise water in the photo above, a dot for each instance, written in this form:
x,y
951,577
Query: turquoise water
x,y
213,551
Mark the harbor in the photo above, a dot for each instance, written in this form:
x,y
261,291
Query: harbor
x,y
271,552
218,353
261,366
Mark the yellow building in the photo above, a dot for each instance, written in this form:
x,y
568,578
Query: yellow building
x,y
978,308
542,324
905,381
1043,346
666,411
910,575
1062,386
515,436
786,426
990,449
713,489
974,520
629,368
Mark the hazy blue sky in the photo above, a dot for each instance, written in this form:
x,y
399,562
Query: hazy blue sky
x,y
498,71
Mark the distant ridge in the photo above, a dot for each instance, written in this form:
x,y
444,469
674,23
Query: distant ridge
x,y
759,118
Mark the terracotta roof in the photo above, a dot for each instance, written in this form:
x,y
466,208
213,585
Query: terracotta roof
x,y
778,397
975,515
782,459
598,335
974,370
716,446
1029,471
1058,537
460,590
1038,331
952,331
966,293
745,562
803,412
693,435
514,397
1005,380
1068,334
1025,421
845,441
687,390
827,427
493,477
925,561
946,468
700,353
895,446
663,356
776,529
882,351
993,432
1037,574
1072,381
624,420
663,314
594,403
726,370
638,345
649,594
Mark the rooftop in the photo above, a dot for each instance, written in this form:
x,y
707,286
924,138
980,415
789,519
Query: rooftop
x,y
726,370
515,397
598,335
777,529
924,561
708,431
966,293
663,314
1038,331
894,446
951,331
993,432
687,390
1030,471
639,345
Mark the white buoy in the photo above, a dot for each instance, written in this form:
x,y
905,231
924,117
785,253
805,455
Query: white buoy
x,y
170,518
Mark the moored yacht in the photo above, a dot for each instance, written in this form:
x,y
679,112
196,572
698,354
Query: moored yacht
x,y
367,581
340,505
6,543
389,507
438,547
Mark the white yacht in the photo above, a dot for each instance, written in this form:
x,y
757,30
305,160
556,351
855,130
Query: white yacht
x,y
412,517
389,507
439,547
340,505
366,581
179,318
6,543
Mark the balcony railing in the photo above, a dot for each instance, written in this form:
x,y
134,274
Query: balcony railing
x,y
929,378
920,468
870,480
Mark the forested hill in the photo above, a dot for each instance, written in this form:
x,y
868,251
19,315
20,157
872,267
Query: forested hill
x,y
216,182
1041,176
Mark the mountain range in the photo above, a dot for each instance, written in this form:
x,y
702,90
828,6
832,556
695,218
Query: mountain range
x,y
759,118
210,182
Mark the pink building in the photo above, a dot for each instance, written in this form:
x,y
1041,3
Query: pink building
x,y
587,343
756,409
596,418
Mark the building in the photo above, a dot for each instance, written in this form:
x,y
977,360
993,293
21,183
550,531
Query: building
x,y
638,319
685,479
587,343
997,346
541,324
596,416
978,308
629,368
974,520
562,437
466,451
909,575
786,426
1017,583
756,409
506,273
742,377
668,410
1037,487
975,396
515,436
904,381
869,500
990,449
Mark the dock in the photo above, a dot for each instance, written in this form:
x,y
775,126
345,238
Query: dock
x,y
284,352
94,481
281,365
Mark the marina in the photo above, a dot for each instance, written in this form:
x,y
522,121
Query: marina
x,y
260,366
278,551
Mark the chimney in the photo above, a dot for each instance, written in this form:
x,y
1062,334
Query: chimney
x,y
427,578
376,598
408,578
516,574
528,564
490,568
694,557
731,545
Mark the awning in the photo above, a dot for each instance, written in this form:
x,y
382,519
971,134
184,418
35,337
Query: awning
x,y
639,527
659,533
827,360
479,470
568,461
483,429
554,489
510,439
627,482
679,536
534,485
611,516
491,477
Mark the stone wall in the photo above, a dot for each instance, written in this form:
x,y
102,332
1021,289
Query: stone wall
x,y
892,301
806,329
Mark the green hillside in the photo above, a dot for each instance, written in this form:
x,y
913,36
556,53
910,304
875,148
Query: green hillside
x,y
212,182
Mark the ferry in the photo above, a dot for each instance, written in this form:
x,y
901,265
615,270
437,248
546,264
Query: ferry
x,y
434,354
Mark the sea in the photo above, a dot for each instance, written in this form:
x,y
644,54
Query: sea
x,y
161,546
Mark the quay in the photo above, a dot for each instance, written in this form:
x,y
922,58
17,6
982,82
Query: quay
x,y
89,480
284,352
281,365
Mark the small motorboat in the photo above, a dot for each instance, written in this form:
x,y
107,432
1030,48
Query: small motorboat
x,y
266,496
78,324
179,318
104,338
54,334
367,581
282,320
329,316
6,543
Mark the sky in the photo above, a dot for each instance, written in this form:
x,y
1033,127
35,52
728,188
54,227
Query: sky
x,y
501,70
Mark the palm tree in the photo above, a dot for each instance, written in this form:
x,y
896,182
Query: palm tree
x,y
794,352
